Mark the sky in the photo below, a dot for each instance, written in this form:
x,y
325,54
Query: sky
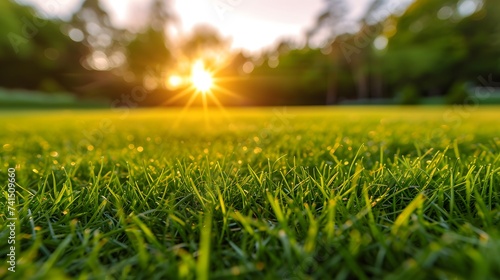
x,y
252,24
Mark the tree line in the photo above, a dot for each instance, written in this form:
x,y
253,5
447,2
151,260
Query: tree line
x,y
402,53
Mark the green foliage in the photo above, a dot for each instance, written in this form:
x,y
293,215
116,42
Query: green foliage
x,y
299,78
424,46
364,193
34,54
408,95
147,54
458,94
427,42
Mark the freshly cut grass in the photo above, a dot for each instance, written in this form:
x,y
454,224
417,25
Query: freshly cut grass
x,y
302,193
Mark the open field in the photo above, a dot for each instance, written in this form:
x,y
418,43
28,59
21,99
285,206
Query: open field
x,y
302,193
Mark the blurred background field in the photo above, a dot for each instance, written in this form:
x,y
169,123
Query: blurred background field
x,y
90,53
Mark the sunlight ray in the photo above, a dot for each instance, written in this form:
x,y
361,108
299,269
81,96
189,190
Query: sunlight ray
x,y
220,106
229,79
185,108
205,108
226,92
178,96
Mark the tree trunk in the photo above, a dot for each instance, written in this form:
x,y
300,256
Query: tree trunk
x,y
363,92
331,91
378,86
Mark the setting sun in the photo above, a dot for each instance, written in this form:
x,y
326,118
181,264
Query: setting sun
x,y
199,84
201,79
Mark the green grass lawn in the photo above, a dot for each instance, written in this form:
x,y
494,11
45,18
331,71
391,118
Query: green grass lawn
x,y
303,193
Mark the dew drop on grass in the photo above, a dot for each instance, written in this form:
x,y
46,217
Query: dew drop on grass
x,y
235,270
8,147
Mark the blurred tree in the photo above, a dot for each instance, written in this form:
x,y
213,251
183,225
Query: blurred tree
x,y
139,58
355,48
147,58
92,26
458,93
290,77
207,44
432,46
34,54
408,95
332,20
149,54
481,33
438,43
424,45
424,48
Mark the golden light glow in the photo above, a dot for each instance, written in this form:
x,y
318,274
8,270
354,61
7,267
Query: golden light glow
x,y
201,85
201,79
174,81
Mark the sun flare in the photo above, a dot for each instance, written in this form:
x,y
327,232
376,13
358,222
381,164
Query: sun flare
x,y
201,79
199,85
